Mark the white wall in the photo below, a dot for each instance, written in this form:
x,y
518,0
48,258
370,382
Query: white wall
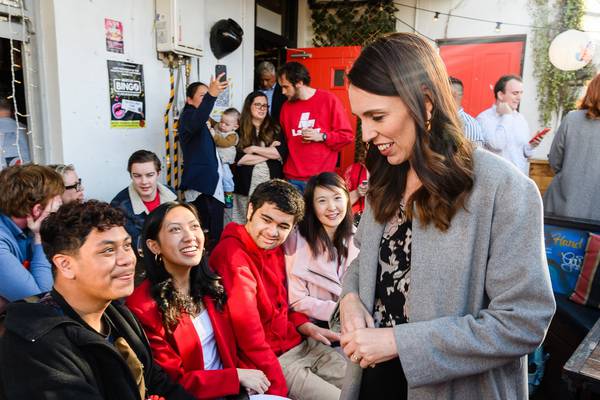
x,y
75,86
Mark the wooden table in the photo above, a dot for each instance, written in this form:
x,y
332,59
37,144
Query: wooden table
x,y
582,370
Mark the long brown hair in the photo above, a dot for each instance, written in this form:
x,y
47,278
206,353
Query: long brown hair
x,y
312,229
405,65
591,100
268,130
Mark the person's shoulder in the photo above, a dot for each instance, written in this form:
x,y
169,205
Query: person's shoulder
x,y
36,321
488,112
121,196
491,170
576,116
141,300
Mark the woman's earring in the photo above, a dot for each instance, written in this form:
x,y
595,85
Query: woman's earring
x,y
158,259
428,125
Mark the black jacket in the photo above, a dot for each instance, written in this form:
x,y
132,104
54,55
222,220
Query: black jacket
x,y
277,101
200,165
48,353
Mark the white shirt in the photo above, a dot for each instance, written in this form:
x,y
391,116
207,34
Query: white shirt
x,y
507,135
206,334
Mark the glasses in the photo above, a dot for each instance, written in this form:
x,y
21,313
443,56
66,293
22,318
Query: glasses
x,y
261,106
76,186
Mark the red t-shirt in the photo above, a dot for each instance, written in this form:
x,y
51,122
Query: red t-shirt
x,y
324,111
354,175
151,205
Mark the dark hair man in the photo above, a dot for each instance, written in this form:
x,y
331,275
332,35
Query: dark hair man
x,y
202,179
29,194
294,353
75,342
504,127
471,127
314,123
143,194
267,83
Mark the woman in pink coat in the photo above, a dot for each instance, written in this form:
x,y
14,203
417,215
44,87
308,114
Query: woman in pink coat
x,y
319,251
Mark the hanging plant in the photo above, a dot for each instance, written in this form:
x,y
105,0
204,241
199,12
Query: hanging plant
x,y
557,90
349,24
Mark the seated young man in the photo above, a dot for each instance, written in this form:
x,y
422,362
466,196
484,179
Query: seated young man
x,y
29,193
293,352
143,194
75,342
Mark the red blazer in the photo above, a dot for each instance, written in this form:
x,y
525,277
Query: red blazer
x,y
180,353
256,285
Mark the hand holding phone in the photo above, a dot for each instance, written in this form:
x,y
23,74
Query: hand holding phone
x,y
537,139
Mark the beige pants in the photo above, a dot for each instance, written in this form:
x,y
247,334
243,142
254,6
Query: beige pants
x,y
313,371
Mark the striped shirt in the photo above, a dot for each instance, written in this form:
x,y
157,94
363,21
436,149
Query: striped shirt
x,y
471,128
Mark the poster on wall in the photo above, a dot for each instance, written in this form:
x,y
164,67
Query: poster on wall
x,y
113,30
127,95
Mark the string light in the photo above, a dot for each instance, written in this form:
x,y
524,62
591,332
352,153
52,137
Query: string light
x,y
498,24
436,16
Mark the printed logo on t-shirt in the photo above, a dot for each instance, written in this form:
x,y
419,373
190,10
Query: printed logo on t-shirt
x,y
305,122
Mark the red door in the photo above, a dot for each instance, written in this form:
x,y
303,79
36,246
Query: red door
x,y
479,62
328,67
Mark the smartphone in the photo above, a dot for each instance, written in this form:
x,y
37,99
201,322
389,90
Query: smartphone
x,y
219,69
539,136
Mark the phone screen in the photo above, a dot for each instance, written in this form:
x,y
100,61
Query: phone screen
x,y
219,69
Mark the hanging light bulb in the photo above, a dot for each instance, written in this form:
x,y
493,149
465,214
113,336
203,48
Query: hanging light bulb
x,y
498,24
436,16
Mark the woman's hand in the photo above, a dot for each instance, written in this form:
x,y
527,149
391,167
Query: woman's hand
x,y
275,144
249,150
254,380
322,335
216,87
370,346
353,314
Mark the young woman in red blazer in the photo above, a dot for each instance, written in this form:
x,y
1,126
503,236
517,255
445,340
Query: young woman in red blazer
x,y
181,306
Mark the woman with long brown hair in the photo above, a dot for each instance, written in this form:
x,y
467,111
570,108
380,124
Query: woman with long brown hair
x,y
575,158
450,290
261,152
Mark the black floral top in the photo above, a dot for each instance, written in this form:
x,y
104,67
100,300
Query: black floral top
x,y
393,272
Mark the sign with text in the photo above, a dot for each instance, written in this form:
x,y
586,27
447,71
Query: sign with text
x,y
127,95
113,30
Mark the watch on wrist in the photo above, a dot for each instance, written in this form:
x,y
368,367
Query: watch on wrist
x,y
324,136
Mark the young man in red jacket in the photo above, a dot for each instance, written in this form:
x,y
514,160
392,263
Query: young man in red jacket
x,y
282,343
314,123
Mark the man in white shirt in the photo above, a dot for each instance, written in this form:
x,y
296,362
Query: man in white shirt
x,y
505,129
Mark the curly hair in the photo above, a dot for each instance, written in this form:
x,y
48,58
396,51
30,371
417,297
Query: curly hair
x,y
406,66
24,186
282,194
67,229
203,281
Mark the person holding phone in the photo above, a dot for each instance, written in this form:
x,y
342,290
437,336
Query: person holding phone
x,y
357,182
505,130
202,179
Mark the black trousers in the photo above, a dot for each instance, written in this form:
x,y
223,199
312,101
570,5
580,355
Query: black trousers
x,y
385,381
211,218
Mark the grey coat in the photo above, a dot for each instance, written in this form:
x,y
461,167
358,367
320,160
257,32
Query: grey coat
x,y
575,158
480,297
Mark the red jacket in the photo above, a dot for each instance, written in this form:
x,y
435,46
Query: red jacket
x,y
324,111
255,282
180,353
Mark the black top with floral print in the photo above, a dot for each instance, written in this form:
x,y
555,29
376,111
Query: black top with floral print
x,y
393,272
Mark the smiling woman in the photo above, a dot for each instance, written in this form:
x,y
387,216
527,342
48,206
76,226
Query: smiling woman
x,y
182,306
450,290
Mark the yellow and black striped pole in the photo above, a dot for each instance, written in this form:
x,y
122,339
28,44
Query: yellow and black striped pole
x,y
176,154
167,135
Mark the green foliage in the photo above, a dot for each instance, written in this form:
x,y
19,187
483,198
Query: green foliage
x,y
348,24
557,90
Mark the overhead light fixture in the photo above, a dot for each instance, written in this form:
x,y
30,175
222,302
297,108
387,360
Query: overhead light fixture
x,y
498,24
436,16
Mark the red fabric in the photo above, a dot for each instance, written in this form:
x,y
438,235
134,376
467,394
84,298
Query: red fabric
x,y
255,282
307,159
586,293
354,175
151,205
180,353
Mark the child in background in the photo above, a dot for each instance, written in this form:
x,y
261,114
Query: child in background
x,y
226,139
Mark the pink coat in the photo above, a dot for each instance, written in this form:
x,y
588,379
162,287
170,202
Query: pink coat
x,y
314,283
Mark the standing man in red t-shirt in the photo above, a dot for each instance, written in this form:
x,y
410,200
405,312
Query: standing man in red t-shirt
x,y
314,123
